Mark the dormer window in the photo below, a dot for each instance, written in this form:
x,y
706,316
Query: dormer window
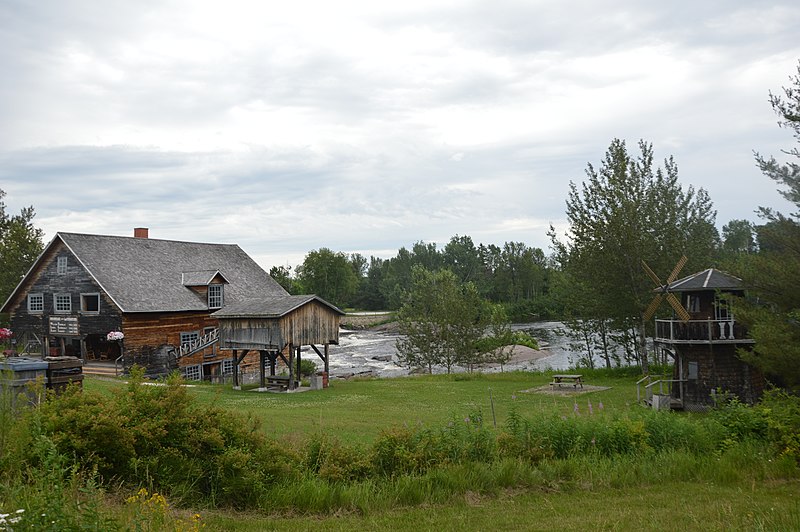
x,y
61,265
215,296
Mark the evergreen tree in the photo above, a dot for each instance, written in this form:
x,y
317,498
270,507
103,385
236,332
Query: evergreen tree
x,y
773,274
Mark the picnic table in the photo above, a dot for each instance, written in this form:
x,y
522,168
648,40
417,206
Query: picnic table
x,y
279,382
574,380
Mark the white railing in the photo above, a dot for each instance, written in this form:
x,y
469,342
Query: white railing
x,y
201,343
700,331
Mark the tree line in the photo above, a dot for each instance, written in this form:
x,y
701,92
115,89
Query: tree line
x,y
514,274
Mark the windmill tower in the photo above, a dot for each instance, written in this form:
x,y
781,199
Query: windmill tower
x,y
703,337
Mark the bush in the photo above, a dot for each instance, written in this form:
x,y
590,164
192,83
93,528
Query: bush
x,y
782,414
307,368
334,462
156,436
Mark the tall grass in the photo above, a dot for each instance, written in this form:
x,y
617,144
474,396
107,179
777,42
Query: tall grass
x,y
160,439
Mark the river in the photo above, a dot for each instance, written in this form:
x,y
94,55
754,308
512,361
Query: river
x,y
370,352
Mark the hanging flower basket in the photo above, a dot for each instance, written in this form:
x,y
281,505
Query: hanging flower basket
x,y
5,341
115,336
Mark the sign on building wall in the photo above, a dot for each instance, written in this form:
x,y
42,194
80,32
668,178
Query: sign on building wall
x,y
64,326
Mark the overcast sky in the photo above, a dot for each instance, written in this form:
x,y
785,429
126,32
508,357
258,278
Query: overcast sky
x,y
367,126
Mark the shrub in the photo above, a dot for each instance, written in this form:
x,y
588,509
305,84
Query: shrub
x,y
395,452
156,436
332,461
741,422
782,414
307,368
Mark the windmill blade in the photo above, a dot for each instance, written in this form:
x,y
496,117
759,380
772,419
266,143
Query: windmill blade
x,y
676,305
651,273
651,308
676,270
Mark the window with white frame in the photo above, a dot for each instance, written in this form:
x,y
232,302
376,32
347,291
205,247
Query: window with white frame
x,y
90,303
692,303
61,265
722,310
189,337
193,373
35,302
227,367
62,303
215,296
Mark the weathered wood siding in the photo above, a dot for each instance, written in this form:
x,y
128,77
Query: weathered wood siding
x,y
718,369
75,281
312,323
149,338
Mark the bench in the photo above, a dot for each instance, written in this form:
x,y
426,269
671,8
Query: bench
x,y
574,380
279,382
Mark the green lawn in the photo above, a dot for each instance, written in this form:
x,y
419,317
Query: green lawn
x,y
357,410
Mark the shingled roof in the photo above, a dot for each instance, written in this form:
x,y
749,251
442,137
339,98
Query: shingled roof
x,y
149,275
270,308
710,279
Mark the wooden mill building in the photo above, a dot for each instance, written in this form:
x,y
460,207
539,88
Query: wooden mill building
x,y
704,348
161,294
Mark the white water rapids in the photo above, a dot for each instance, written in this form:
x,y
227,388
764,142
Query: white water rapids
x,y
374,353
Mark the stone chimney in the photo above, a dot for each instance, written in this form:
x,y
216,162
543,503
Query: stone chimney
x,y
141,232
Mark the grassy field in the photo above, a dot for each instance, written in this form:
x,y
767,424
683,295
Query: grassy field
x,y
683,506
357,410
738,490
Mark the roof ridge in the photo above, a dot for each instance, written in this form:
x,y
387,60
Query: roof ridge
x,y
148,239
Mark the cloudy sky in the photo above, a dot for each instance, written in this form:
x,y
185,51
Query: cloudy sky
x,y
367,126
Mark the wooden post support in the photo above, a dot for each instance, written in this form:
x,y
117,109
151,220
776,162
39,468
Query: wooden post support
x,y
299,364
326,359
262,355
236,385
273,358
291,367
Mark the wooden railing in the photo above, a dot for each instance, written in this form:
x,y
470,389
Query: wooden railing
x,y
646,397
705,331
201,343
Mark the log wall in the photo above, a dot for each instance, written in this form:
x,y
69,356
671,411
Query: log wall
x,y
149,338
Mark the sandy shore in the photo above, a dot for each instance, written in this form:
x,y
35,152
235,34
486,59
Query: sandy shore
x,y
521,354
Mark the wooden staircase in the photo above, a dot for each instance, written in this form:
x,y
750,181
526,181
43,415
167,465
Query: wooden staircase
x,y
205,341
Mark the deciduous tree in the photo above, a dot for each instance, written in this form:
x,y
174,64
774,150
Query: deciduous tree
x,y
442,321
329,275
20,245
625,211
